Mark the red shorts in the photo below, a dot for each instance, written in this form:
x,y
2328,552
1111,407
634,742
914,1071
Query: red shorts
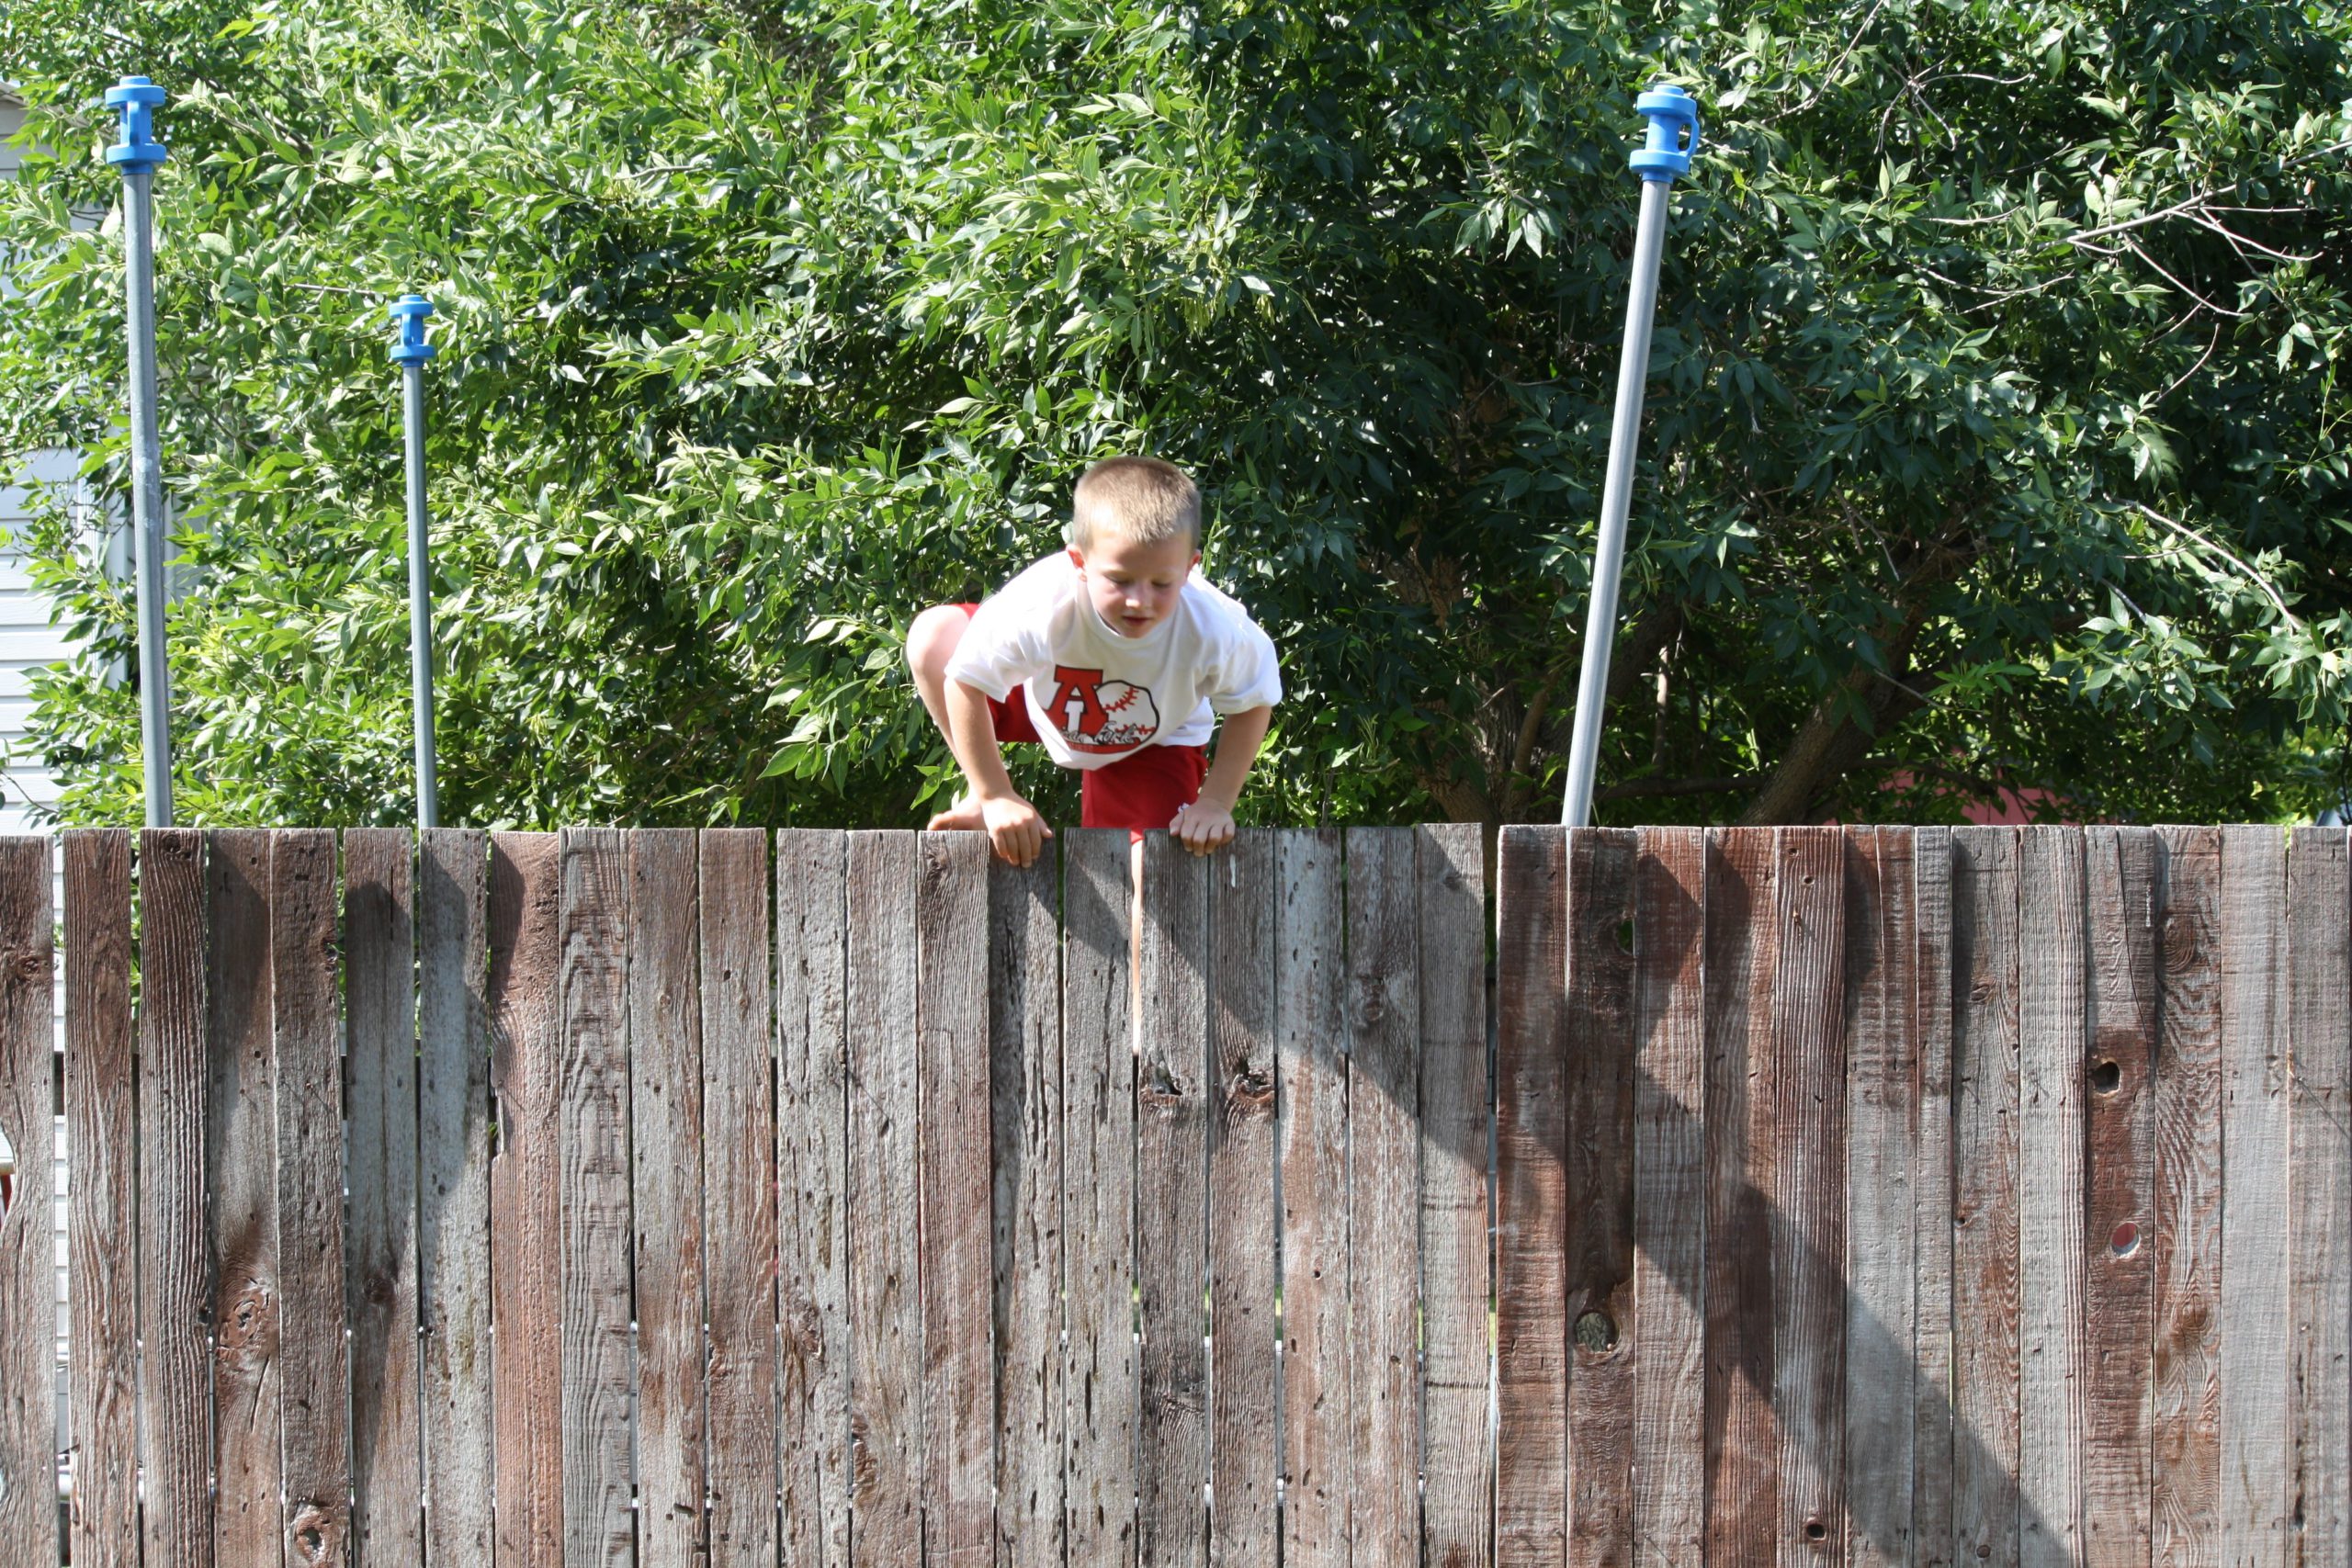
x,y
1140,792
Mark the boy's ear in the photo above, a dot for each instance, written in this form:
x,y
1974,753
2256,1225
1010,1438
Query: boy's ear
x,y
1077,557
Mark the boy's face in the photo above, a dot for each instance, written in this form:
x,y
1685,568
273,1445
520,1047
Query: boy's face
x,y
1134,587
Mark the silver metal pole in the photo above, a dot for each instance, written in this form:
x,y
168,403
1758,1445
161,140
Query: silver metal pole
x,y
1670,111
137,155
410,351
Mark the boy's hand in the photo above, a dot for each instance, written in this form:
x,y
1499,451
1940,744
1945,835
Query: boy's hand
x,y
1016,830
1202,826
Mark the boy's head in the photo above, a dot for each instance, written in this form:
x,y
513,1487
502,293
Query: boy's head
x,y
1134,534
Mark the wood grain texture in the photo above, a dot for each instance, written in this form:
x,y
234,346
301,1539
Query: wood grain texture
x,y
1931,1001
1809,1192
2256,1517
28,1252
1384,1012
885,1304
175,1277
1741,950
2186,1372
958,1230
1531,1199
1311,1099
2319,1015
1171,1200
1025,1086
101,1121
1603,1351
453,1192
1245,1416
1098,1200
1883,1118
592,1179
242,1214
812,1222
1457,1353
306,1073
387,1482
737,1136
526,940
1670,1039
2121,869
1985,1207
2054,1041
665,1184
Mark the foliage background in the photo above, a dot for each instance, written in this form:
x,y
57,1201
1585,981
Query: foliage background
x,y
1996,436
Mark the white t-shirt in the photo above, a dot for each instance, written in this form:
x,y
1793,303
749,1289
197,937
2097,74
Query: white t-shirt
x,y
1095,696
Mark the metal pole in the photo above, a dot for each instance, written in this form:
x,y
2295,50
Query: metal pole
x,y
137,155
1672,113
410,353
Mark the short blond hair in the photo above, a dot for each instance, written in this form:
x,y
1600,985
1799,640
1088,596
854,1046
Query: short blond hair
x,y
1141,499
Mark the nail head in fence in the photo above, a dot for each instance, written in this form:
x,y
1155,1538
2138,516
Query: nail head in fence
x,y
1309,981
102,1217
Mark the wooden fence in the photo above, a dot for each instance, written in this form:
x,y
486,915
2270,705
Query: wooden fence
x,y
1869,1196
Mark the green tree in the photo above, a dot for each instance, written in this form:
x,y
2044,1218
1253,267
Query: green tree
x,y
1994,435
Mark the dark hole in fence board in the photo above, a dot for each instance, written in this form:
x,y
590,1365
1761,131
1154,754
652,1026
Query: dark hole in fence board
x,y
2319,1013
737,1137
1243,918
1599,1050
28,1251
1384,1012
1457,1453
1741,948
2052,1018
1098,1198
1025,1052
2120,873
102,1224
2186,1230
526,938
381,1013
1984,1213
885,1305
1311,1099
1531,1199
812,1223
453,1188
306,1073
1172,1203
958,1240
243,1212
665,1175
2256,1460
176,1278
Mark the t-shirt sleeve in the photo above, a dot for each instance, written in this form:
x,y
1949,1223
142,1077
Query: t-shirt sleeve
x,y
1252,675
1003,646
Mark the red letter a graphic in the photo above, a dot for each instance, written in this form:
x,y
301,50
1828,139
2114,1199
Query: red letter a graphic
x,y
1077,686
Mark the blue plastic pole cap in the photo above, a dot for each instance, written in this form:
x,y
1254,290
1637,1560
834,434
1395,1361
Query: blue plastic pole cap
x,y
138,150
408,314
1674,133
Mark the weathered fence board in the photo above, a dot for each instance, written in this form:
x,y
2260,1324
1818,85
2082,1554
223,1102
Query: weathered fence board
x,y
456,1421
1866,1196
1311,1101
738,1139
525,937
102,1133
28,1261
380,1012
1243,1047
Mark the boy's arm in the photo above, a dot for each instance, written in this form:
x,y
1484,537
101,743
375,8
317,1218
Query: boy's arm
x,y
1207,823
1014,829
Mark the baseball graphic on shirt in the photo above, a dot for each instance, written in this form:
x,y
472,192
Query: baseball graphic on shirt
x,y
1129,718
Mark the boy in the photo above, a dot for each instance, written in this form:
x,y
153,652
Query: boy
x,y
1117,655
